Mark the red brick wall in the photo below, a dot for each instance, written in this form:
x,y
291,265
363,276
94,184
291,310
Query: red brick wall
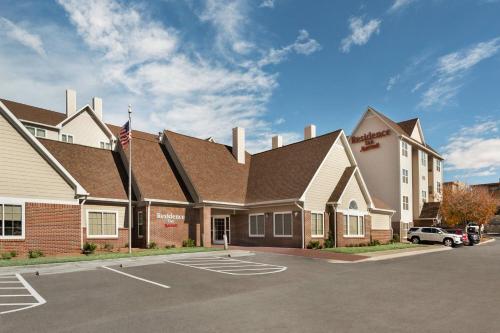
x,y
189,228
383,236
308,228
51,228
346,241
117,243
239,232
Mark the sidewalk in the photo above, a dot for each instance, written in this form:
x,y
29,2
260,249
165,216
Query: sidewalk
x,y
69,267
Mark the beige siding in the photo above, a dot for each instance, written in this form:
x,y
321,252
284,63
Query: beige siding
x,y
24,173
406,189
420,182
85,130
121,211
353,192
381,221
416,135
326,179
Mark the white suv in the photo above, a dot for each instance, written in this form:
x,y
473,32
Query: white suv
x,y
435,235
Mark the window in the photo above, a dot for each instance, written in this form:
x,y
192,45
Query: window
x,y
256,225
12,221
67,138
105,145
317,225
405,176
283,224
406,205
424,196
438,187
404,148
423,158
438,165
354,225
38,132
423,178
102,224
140,224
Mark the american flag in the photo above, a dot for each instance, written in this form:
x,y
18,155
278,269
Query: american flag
x,y
125,134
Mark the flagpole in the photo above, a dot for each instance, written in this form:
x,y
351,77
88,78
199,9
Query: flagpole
x,y
130,180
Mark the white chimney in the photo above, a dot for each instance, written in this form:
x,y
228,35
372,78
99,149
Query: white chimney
x,y
97,106
239,144
310,132
277,141
70,102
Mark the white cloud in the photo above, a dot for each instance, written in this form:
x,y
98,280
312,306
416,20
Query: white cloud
x,y
392,81
302,45
399,5
360,32
267,4
417,87
474,150
16,33
450,70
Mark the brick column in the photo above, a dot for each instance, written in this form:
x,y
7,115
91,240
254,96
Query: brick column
x,y
206,226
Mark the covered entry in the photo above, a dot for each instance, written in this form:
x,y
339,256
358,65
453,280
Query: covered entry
x,y
221,224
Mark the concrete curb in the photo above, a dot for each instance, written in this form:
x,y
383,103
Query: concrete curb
x,y
392,256
78,266
488,241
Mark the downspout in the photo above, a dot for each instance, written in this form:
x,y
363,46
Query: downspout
x,y
81,221
302,222
148,235
334,225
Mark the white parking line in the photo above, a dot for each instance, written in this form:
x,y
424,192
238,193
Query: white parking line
x,y
229,266
137,278
23,306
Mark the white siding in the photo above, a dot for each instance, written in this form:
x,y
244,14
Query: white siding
x,y
381,221
406,189
420,181
24,173
353,192
326,179
85,130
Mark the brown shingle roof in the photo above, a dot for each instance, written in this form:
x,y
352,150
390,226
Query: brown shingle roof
x,y
153,169
285,173
342,184
211,168
276,174
430,210
31,113
99,171
380,204
408,125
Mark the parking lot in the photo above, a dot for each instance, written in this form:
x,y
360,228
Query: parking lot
x,y
451,291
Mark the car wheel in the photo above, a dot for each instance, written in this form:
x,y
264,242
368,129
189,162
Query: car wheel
x,y
415,240
448,242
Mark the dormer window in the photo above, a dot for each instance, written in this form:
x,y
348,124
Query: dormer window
x,y
105,145
68,138
38,132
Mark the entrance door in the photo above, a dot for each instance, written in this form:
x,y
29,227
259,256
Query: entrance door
x,y
219,225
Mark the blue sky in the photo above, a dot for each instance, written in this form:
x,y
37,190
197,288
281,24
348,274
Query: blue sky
x,y
203,67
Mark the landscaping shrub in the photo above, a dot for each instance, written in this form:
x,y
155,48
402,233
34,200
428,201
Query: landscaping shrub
x,y
314,245
188,243
170,246
89,248
33,254
108,247
152,245
6,256
13,254
329,243
375,242
395,239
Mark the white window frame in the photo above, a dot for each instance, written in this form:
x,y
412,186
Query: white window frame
x,y
407,203
249,226
4,202
274,224
438,187
67,138
36,129
405,176
102,236
424,195
423,158
438,165
323,222
404,149
102,145
139,214
358,213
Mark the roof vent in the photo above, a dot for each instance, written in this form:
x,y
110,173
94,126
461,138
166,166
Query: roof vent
x,y
277,141
239,144
70,102
310,132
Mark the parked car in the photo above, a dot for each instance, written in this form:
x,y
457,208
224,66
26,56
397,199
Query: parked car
x,y
418,235
465,237
473,235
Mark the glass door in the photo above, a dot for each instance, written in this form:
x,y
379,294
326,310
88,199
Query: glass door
x,y
219,225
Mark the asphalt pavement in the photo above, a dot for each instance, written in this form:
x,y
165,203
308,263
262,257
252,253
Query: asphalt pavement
x,y
449,291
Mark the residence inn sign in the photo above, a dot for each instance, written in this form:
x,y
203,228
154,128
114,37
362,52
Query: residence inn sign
x,y
369,139
170,220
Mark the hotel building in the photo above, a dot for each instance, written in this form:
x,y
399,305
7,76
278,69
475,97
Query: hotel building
x,y
400,168
63,182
